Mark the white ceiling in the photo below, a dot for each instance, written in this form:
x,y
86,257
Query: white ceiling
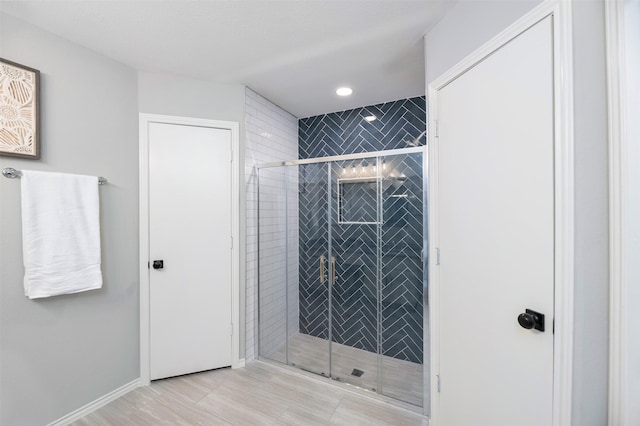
x,y
295,53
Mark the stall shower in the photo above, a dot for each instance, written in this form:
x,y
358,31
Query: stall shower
x,y
341,255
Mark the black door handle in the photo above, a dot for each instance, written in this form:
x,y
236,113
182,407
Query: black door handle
x,y
158,264
531,319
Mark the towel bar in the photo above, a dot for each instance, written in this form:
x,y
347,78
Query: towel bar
x,y
12,173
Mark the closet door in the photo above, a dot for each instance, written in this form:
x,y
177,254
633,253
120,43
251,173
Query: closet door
x,y
190,249
495,234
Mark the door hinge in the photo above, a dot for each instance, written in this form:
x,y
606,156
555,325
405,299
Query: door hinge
x,y
437,130
232,155
438,382
437,255
232,242
231,329
148,265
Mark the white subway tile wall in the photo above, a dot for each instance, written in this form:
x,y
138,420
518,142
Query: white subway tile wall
x,y
271,135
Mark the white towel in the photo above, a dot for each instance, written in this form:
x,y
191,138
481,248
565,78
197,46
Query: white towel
x,y
60,233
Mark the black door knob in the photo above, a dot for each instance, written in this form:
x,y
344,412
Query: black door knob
x,y
531,319
158,264
526,321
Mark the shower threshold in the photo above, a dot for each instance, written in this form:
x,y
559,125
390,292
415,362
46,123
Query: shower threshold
x,y
346,387
401,381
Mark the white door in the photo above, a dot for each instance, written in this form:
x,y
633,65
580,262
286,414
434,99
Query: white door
x,y
190,232
495,216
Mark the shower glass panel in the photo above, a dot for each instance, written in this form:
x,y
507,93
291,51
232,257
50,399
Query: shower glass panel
x,y
273,256
308,347
353,267
342,278
402,278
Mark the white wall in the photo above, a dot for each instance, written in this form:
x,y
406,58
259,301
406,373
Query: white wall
x,y
174,95
271,135
466,27
60,353
167,94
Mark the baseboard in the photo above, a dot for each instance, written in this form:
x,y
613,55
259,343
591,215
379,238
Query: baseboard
x,y
94,405
241,363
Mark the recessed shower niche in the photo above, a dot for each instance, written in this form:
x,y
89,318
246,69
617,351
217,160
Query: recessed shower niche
x,y
342,273
357,200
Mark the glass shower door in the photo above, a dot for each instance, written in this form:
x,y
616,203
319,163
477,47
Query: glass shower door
x,y
354,218
293,288
378,274
403,279
342,276
308,344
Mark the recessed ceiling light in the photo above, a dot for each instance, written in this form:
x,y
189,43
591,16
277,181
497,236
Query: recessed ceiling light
x,y
370,118
344,91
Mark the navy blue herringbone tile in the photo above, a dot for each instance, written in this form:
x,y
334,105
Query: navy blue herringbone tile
x,y
368,286
347,132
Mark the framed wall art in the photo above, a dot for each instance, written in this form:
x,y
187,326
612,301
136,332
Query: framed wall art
x,y
19,110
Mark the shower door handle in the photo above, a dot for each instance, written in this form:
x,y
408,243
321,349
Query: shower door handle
x,y
322,260
333,270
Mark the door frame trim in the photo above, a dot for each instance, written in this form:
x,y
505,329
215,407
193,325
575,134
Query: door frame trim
x,y
564,198
145,120
619,217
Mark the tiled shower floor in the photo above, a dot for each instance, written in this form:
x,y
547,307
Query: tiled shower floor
x,y
400,379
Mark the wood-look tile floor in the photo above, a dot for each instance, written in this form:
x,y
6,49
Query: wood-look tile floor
x,y
259,394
